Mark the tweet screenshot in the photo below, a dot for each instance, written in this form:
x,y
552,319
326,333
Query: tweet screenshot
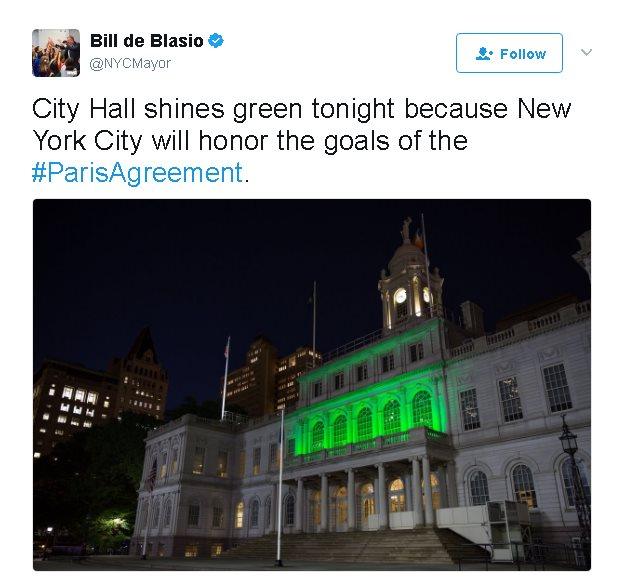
x,y
307,286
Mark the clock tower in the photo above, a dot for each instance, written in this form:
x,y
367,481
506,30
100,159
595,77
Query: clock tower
x,y
409,292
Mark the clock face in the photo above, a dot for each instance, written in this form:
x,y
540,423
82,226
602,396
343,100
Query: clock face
x,y
400,296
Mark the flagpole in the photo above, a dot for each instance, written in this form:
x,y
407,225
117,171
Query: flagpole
x,y
314,327
227,361
422,222
278,561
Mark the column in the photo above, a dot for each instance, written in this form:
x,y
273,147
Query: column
x,y
407,480
299,506
451,483
383,497
417,492
429,518
324,503
351,499
443,490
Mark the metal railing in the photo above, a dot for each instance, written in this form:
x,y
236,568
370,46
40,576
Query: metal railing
x,y
521,555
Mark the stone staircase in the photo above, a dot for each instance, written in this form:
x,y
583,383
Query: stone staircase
x,y
426,546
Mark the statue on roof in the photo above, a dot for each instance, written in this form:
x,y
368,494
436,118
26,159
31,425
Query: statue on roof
x,y
406,230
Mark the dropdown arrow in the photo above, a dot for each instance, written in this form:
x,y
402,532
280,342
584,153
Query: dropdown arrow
x,y
586,52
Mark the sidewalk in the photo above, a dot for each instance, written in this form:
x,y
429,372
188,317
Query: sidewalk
x,y
127,563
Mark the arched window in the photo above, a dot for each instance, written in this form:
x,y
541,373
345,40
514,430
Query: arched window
x,y
167,513
289,510
568,482
421,408
318,435
367,492
254,513
340,431
267,512
341,505
365,424
239,515
479,492
524,489
155,513
217,515
392,417
397,496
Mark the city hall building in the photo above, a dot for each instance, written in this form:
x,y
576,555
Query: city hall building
x,y
417,426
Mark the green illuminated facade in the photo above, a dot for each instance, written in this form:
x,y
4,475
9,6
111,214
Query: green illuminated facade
x,y
399,389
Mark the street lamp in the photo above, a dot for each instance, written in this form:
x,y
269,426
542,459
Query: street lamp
x,y
583,510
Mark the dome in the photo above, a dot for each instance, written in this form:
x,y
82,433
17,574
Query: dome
x,y
406,254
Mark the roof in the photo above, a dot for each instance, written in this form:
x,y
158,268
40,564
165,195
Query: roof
x,y
143,343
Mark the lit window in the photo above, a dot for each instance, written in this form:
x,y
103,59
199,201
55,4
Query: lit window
x,y
469,409
104,416
90,413
51,391
78,409
80,394
365,424
524,489
59,432
557,388
75,422
510,399
42,430
479,491
92,397
107,404
397,496
87,423
392,417
68,392
65,407
198,460
62,419
421,408
426,295
318,435
239,515
216,550
340,430
37,455
191,550
46,416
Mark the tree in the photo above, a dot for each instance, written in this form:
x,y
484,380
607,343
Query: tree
x,y
87,486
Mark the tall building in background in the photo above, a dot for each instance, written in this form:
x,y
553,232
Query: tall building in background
x,y
143,381
267,382
69,398
289,369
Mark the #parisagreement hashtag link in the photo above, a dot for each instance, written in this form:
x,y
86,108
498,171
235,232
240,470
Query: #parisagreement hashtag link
x,y
39,171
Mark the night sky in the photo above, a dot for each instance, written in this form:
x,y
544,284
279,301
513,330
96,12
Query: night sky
x,y
196,271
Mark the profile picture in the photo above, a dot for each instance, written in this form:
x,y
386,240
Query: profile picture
x,y
55,52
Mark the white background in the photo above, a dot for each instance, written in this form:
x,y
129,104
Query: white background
x,y
333,50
